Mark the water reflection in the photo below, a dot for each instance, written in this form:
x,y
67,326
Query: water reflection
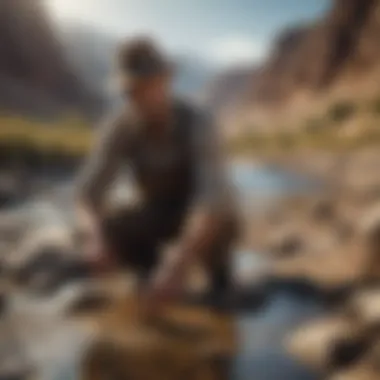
x,y
261,355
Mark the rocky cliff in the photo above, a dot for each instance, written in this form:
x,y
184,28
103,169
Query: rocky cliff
x,y
34,75
314,57
309,62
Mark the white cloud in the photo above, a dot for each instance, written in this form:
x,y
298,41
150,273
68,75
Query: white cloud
x,y
236,50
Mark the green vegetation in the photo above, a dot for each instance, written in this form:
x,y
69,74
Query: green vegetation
x,y
375,106
341,111
71,136
328,138
324,131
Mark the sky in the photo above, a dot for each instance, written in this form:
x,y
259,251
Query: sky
x,y
222,32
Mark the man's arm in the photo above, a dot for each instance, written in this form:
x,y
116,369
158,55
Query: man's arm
x,y
211,206
99,171
213,200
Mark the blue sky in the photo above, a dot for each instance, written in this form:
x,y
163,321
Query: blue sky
x,y
223,32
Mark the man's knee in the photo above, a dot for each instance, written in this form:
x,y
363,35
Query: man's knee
x,y
130,238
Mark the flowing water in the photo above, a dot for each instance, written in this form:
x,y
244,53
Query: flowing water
x,y
56,346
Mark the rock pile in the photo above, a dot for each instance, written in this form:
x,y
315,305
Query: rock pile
x,y
183,342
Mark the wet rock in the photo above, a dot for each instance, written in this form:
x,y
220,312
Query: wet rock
x,y
356,373
4,299
322,210
13,362
343,230
364,306
326,343
45,261
349,351
369,227
11,228
181,343
286,241
95,296
338,268
367,368
15,374
288,245
10,190
49,270
89,302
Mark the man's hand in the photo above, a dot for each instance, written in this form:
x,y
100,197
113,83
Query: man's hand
x,y
166,287
95,250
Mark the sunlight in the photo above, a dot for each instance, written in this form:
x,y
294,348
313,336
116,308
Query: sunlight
x,y
65,7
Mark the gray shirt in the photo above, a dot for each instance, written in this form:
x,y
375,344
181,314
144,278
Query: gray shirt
x,y
116,145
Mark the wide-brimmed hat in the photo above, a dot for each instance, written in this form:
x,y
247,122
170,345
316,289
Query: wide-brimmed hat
x,y
139,59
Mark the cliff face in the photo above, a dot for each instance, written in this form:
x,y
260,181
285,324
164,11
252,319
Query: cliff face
x,y
311,65
314,57
34,75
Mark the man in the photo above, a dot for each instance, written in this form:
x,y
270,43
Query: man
x,y
173,154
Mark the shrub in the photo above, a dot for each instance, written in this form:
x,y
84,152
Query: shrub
x,y
341,111
375,106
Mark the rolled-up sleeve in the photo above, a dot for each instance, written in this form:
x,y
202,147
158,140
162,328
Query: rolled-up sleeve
x,y
100,168
214,193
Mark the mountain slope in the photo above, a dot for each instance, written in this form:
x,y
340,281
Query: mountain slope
x,y
34,75
314,57
311,66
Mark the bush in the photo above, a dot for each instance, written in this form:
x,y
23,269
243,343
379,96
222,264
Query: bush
x,y
375,106
342,111
33,143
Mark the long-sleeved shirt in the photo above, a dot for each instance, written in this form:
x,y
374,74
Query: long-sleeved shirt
x,y
125,139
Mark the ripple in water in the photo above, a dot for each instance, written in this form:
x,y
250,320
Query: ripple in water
x,y
261,355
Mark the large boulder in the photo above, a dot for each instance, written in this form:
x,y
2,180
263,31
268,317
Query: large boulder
x,y
369,228
46,260
364,306
365,369
328,343
183,342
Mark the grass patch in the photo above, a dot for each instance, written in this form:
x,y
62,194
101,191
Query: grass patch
x,y
375,106
328,138
341,111
71,136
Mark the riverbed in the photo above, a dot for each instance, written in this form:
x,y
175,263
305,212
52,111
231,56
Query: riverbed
x,y
261,331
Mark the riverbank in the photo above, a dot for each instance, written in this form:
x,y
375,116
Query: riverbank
x,y
316,245
330,241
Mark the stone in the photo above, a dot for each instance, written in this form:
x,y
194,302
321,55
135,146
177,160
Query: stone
x,y
356,373
324,342
364,306
369,228
94,296
13,363
289,245
182,342
45,261
322,210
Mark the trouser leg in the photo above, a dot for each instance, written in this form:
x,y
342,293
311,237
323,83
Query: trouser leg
x,y
131,236
218,260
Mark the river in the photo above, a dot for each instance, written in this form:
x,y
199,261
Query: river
x,y
57,346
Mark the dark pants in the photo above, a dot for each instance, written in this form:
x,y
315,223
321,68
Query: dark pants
x,y
137,234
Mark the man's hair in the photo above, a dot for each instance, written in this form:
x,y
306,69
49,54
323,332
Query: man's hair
x,y
141,57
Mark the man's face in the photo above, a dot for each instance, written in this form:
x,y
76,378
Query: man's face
x,y
151,93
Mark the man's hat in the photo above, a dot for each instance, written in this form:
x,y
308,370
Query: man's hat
x,y
141,58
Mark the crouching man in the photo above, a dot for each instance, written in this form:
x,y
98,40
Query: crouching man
x,y
172,151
